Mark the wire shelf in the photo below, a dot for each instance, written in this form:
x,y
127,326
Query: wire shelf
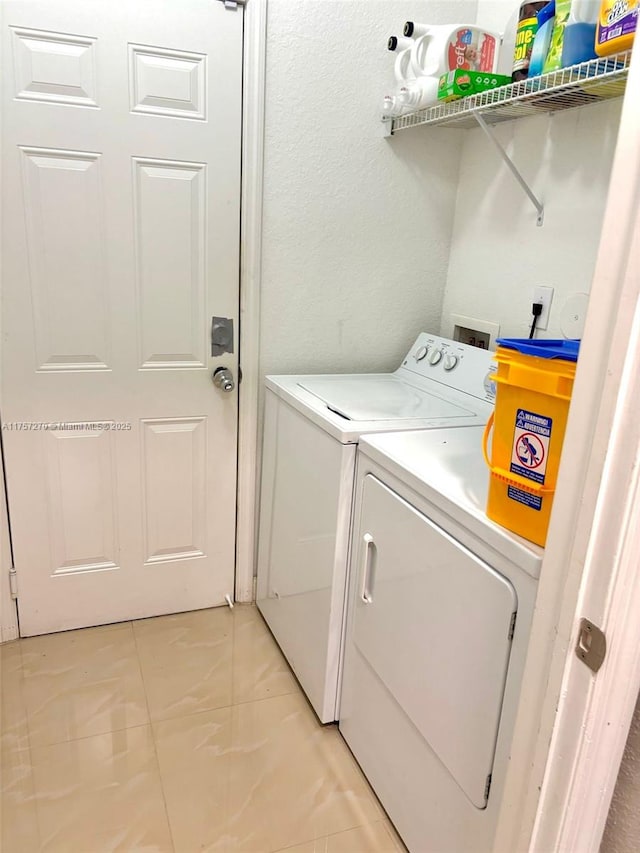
x,y
586,83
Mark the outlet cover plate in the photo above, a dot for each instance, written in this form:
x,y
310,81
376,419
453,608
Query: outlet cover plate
x,y
544,295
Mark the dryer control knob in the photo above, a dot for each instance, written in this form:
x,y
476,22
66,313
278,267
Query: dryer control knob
x,y
435,356
420,353
450,361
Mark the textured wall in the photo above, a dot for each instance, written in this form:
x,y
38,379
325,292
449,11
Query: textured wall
x,y
622,833
567,160
357,228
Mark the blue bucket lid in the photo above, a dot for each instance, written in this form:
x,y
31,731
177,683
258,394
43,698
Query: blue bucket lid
x,y
543,348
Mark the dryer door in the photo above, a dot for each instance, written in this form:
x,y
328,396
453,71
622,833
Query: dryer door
x,y
434,623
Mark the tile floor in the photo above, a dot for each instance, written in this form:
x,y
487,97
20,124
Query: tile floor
x,y
182,733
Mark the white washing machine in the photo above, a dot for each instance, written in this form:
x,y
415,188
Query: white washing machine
x,y
311,430
440,606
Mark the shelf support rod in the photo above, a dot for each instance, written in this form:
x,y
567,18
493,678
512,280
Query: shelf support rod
x,y
514,171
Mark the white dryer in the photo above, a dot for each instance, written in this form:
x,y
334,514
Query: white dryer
x,y
311,430
440,606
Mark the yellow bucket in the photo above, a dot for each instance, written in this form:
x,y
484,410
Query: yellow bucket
x,y
534,384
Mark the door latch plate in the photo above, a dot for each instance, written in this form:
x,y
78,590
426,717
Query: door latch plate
x,y
591,647
221,335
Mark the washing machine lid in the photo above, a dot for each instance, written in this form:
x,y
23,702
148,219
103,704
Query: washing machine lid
x,y
379,397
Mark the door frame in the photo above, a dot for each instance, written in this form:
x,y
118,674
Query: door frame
x,y
253,108
8,606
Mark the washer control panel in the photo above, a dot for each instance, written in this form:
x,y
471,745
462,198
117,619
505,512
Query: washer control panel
x,y
454,364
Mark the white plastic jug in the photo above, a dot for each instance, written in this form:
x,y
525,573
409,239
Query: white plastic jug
x,y
418,94
402,68
414,93
584,11
392,106
446,47
397,43
412,29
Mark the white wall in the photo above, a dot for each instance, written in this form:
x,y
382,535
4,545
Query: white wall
x,y
498,254
357,228
622,832
361,247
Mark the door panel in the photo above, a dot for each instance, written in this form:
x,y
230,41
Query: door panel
x,y
67,258
167,82
121,190
54,68
175,512
81,490
170,231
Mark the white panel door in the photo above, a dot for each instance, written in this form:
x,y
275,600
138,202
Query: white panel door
x,y
121,186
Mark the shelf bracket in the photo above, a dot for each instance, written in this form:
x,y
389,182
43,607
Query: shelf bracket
x,y
514,171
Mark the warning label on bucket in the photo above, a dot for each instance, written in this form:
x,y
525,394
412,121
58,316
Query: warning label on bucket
x,y
532,501
530,450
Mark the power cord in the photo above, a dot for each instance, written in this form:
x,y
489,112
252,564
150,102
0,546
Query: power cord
x,y
536,310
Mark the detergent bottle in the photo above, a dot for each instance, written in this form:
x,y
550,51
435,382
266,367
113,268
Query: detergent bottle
x,y
616,27
412,29
398,43
579,33
391,107
572,39
443,48
418,93
546,17
402,69
414,93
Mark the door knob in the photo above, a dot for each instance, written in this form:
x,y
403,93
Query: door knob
x,y
223,378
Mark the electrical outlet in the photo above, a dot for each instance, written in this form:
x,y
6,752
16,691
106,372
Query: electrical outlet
x,y
544,295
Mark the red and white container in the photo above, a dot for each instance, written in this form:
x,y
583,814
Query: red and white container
x,y
446,47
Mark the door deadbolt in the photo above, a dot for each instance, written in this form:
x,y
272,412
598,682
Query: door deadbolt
x,y
223,379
